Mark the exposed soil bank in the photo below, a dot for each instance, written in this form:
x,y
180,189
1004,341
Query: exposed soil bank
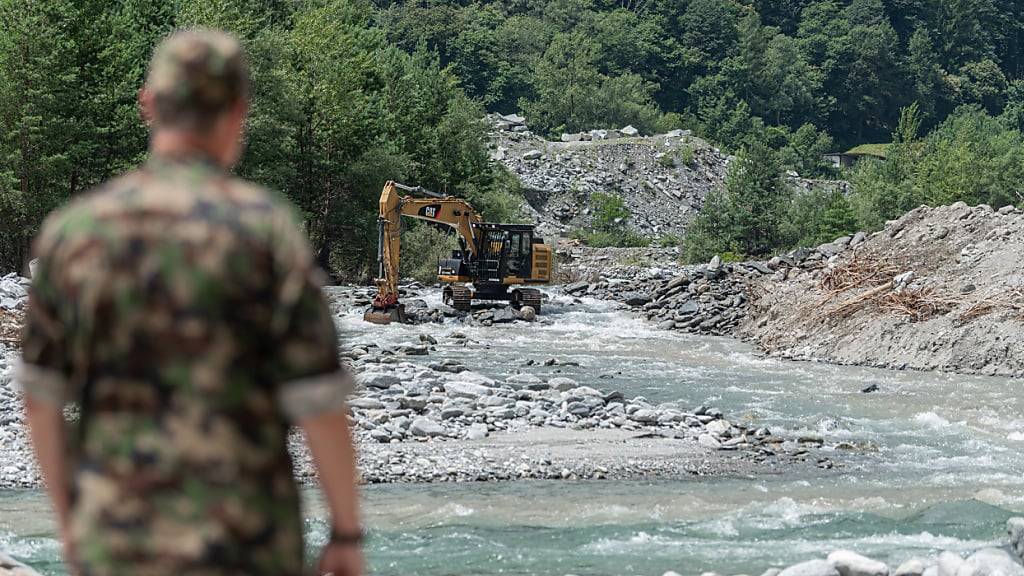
x,y
938,289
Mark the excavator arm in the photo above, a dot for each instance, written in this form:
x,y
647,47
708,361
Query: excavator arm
x,y
454,213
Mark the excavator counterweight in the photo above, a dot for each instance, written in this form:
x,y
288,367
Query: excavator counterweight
x,y
494,262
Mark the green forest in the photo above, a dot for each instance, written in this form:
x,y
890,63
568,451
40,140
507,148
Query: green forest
x,y
348,93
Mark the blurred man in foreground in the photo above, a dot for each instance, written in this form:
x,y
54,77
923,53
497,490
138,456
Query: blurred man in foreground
x,y
180,308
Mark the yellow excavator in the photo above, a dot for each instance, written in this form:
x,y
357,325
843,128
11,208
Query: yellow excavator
x,y
493,262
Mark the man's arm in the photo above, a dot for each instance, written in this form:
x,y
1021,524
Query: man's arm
x,y
46,423
330,441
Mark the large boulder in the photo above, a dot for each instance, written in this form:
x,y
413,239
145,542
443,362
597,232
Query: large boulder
x,y
994,562
811,568
912,567
852,564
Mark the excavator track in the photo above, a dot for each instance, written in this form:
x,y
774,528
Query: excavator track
x,y
460,298
527,297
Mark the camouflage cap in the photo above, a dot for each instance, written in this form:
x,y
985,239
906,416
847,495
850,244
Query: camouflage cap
x,y
195,75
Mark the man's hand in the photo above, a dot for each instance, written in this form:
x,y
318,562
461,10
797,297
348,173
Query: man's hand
x,y
70,552
341,560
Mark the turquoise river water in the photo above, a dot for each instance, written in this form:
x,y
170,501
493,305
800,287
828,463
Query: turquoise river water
x,y
946,475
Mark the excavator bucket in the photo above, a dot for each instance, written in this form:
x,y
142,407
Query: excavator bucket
x,y
385,315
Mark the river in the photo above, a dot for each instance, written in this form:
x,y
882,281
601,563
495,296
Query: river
x,y
942,469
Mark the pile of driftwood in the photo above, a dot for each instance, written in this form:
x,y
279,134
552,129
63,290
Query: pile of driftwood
x,y
863,283
10,327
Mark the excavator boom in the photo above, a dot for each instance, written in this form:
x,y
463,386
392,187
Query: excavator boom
x,y
437,208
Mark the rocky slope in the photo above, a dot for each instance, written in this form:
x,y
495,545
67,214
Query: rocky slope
x,y
662,179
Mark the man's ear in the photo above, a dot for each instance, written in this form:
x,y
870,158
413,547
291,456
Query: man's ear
x,y
146,106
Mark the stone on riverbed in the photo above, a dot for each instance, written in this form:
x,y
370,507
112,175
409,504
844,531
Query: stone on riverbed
x,y
811,568
852,564
912,567
466,390
377,380
427,428
366,403
562,384
477,431
950,564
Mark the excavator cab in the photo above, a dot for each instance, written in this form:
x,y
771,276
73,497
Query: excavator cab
x,y
494,262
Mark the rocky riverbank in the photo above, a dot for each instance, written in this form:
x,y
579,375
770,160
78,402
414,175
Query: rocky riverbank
x,y
938,289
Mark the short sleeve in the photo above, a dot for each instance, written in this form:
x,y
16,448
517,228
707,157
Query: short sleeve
x,y
305,365
45,367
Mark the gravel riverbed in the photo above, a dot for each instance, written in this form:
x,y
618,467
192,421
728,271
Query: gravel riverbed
x,y
419,417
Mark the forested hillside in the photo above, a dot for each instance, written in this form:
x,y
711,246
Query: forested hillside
x,y
349,92
727,65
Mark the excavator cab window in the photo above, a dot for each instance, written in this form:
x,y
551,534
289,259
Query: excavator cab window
x,y
518,257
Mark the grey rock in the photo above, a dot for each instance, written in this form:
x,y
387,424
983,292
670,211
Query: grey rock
x,y
645,416
377,380
635,299
532,155
852,564
427,428
504,315
629,131
709,441
562,384
912,567
578,409
994,562
466,390
811,568
452,412
366,403
477,431
527,313
523,379
950,564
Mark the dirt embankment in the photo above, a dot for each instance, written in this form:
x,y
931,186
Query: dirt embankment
x,y
938,289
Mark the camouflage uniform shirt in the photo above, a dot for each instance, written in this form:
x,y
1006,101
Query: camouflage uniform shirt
x,y
181,309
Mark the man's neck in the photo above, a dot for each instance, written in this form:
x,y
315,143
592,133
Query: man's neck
x,y
179,144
